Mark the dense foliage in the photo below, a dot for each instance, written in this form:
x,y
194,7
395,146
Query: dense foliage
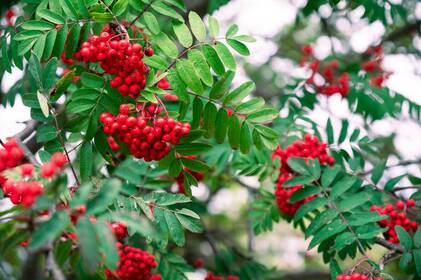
x,y
133,107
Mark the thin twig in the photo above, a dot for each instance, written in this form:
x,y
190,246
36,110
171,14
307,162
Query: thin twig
x,y
53,267
388,245
402,163
63,145
140,14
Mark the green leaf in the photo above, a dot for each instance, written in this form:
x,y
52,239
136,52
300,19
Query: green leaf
x,y
175,168
175,228
232,30
28,34
353,201
192,148
51,16
392,183
417,238
120,7
189,222
226,56
88,244
91,80
151,22
362,218
46,133
377,172
404,238
222,86
187,73
49,45
107,194
183,34
165,10
250,106
329,131
245,139
304,192
37,25
107,245
344,131
264,115
194,165
299,165
201,66
320,220
60,41
234,131
342,186
209,117
417,259
73,40
298,180
39,46
86,160
197,112
156,62
166,45
197,26
25,46
69,9
239,47
309,207
213,59
178,86
327,231
329,175
239,93
83,8
221,125
213,27
405,261
49,230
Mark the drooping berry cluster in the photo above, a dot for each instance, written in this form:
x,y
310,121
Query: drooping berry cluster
x,y
119,229
27,189
11,155
357,276
118,57
374,67
311,148
180,178
146,134
332,80
211,276
397,217
134,264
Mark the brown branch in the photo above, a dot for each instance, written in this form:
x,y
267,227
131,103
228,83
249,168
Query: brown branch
x,y
388,245
403,31
402,163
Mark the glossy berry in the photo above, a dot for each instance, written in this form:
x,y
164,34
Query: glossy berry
x,y
59,160
10,155
119,58
27,170
356,276
146,134
48,170
211,276
309,148
397,216
198,263
119,229
149,52
134,264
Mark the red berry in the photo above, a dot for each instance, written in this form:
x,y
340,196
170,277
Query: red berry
x,y
48,170
27,170
400,204
59,160
410,203
149,51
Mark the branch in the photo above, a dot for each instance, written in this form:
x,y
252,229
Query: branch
x,y
388,245
52,266
403,31
402,163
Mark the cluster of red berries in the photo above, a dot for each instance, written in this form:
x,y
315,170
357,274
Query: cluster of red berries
x,y
211,276
10,17
311,148
356,276
180,178
134,264
119,57
146,134
26,190
11,155
374,66
397,217
333,80
119,229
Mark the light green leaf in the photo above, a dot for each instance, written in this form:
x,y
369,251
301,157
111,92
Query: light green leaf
x,y
183,34
197,26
